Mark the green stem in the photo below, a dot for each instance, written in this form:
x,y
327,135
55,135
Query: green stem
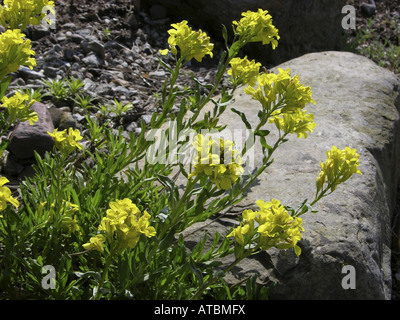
x,y
324,191
211,93
177,213
105,271
211,281
167,105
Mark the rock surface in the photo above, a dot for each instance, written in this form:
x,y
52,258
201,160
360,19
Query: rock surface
x,y
26,138
357,105
304,26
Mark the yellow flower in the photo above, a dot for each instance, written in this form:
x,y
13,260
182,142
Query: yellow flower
x,y
238,233
339,167
218,160
18,108
18,14
108,227
244,71
293,96
5,195
15,51
257,26
95,243
125,223
298,122
264,92
192,44
59,137
67,143
143,225
276,227
73,137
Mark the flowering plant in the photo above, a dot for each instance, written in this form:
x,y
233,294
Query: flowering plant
x,y
108,214
18,14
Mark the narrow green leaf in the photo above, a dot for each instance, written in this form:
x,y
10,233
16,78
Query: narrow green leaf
x,y
234,50
4,86
243,117
196,272
262,133
225,35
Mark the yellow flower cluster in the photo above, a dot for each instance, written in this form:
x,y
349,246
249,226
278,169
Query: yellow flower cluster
x,y
192,44
218,160
275,227
297,122
67,143
18,107
15,51
18,14
292,94
339,167
257,27
123,224
292,97
5,195
244,71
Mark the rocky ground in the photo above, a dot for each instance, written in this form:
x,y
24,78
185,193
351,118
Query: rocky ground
x,y
377,33
113,47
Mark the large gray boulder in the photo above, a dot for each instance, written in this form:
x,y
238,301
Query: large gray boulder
x,y
357,105
304,25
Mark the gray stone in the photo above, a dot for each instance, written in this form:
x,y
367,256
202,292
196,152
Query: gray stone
x,y
158,73
369,8
132,126
122,91
52,54
77,38
357,105
26,73
69,25
50,72
304,26
103,89
69,54
26,138
146,48
93,45
92,60
67,121
88,84
146,118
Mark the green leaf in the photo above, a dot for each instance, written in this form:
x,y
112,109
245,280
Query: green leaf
x,y
93,274
198,249
264,142
221,64
234,49
262,133
166,66
225,35
243,116
167,241
4,86
196,272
